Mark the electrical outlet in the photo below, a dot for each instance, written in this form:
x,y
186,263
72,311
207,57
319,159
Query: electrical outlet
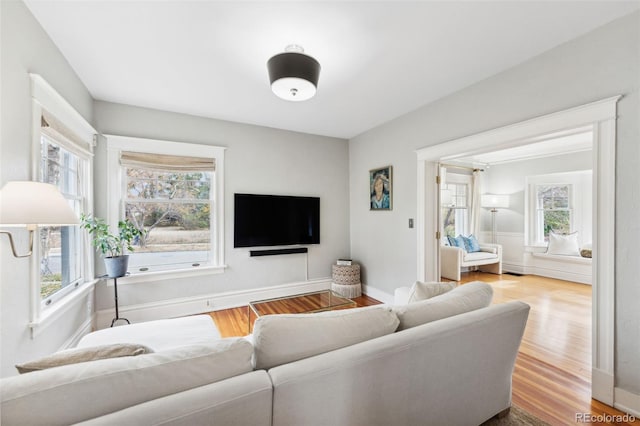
x,y
410,223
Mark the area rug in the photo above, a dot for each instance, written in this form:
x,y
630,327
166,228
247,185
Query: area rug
x,y
516,416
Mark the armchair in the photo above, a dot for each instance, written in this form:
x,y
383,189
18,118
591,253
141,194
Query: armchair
x,y
488,259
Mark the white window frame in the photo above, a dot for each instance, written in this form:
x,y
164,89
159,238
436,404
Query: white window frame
x,y
45,97
580,219
85,182
538,213
460,179
115,196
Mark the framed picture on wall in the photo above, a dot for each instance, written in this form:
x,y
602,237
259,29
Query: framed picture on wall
x,y
380,189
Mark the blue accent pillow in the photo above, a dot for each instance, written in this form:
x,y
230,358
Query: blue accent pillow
x,y
460,242
471,244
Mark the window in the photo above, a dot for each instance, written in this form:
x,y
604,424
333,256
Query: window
x,y
62,148
559,202
172,191
61,247
455,214
553,211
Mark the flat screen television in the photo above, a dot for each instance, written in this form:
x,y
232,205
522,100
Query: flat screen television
x,y
275,220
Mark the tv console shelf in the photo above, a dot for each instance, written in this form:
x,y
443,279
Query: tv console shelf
x,y
275,252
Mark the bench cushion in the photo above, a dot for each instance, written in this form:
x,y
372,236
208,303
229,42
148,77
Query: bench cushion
x,y
479,255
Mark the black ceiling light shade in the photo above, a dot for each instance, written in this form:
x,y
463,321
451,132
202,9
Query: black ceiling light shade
x,y
293,74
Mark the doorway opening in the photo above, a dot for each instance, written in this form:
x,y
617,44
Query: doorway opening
x,y
600,117
534,201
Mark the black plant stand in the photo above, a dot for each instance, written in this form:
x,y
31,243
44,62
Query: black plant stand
x,y
115,292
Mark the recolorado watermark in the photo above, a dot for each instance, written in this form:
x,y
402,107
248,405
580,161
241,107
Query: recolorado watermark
x,y
604,418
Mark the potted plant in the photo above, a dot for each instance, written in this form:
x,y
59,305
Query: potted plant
x,y
112,246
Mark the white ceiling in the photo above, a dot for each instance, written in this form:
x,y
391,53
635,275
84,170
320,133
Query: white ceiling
x,y
577,140
379,59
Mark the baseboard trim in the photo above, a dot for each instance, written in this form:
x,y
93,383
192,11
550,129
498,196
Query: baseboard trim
x,y
627,402
380,295
513,267
602,386
206,303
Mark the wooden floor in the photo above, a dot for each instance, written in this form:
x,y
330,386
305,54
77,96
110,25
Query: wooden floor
x,y
552,374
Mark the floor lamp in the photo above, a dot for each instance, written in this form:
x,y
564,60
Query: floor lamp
x,y
494,202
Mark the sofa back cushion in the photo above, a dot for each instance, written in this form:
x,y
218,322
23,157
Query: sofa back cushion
x,y
422,291
283,338
464,298
73,393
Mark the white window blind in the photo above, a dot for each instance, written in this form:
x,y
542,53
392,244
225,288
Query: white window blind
x,y
166,162
53,128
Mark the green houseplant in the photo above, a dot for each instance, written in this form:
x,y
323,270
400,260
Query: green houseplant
x,y
112,245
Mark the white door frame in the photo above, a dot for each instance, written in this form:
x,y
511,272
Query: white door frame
x,y
601,116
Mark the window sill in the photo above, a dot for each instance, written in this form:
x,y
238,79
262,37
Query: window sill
x,y
50,314
141,277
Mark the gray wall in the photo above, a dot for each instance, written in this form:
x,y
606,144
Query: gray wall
x,y
257,160
26,48
598,65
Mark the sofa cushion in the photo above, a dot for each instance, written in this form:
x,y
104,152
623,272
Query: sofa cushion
x,y
77,392
158,335
479,255
464,298
74,356
422,291
283,338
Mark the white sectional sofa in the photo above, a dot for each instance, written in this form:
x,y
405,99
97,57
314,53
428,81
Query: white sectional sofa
x,y
450,363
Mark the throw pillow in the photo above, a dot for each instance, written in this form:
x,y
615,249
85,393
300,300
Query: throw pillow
x,y
464,298
563,244
457,241
75,356
471,244
422,291
283,338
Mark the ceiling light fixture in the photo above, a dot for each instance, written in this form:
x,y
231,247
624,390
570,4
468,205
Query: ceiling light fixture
x,y
293,74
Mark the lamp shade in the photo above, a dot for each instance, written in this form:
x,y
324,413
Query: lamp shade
x,y
494,201
293,75
34,203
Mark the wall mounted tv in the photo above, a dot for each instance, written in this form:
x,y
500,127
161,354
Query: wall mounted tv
x,y
275,220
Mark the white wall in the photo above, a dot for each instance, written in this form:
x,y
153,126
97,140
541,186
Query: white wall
x,y
257,160
509,178
598,65
26,48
